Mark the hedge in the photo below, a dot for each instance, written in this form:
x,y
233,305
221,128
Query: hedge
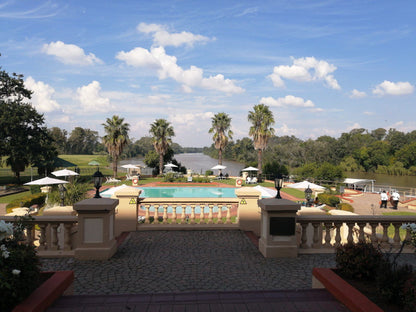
x,y
329,199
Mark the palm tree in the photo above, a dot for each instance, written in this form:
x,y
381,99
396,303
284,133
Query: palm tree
x,y
262,119
161,132
221,124
116,138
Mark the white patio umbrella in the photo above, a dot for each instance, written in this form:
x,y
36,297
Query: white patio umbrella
x,y
218,167
170,166
266,192
46,181
130,166
250,169
64,173
305,184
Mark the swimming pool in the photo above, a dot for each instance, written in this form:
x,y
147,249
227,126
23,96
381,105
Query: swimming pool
x,y
188,192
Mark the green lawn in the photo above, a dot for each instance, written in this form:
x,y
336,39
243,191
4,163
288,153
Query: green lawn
x,y
294,192
10,198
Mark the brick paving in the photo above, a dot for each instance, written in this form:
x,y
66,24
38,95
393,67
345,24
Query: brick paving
x,y
193,271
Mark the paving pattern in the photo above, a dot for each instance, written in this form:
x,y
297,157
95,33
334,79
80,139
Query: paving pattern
x,y
187,261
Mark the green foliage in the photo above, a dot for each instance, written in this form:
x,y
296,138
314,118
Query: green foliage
x,y
345,207
221,124
19,266
328,199
29,200
209,172
275,169
359,261
162,133
75,192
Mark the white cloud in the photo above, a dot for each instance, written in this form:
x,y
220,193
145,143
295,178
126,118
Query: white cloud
x,y
90,98
288,100
285,130
190,118
355,94
70,54
304,70
161,37
42,95
393,88
354,126
369,113
166,67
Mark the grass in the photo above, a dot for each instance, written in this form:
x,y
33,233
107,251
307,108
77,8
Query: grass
x,y
12,197
390,229
83,160
294,192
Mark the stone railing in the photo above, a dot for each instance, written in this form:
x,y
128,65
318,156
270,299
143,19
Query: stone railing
x,y
53,236
323,233
189,213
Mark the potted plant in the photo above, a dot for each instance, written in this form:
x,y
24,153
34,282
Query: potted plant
x,y
20,273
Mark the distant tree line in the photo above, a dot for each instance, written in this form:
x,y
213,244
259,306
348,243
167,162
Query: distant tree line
x,y
390,152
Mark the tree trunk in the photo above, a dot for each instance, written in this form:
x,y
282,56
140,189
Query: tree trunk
x,y
220,157
160,164
259,164
115,166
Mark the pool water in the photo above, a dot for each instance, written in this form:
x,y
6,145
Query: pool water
x,y
188,192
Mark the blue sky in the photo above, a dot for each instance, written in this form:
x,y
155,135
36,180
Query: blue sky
x,y
323,67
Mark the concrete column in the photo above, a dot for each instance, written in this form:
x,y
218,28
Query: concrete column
x,y
248,209
96,239
278,228
126,212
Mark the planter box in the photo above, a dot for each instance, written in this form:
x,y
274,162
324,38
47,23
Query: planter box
x,y
58,284
353,299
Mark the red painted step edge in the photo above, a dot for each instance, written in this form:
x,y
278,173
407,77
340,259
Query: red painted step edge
x,y
353,299
47,293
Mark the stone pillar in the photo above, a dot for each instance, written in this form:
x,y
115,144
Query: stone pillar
x,y
126,212
278,228
248,209
96,239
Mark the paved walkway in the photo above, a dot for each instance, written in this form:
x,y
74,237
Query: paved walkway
x,y
195,271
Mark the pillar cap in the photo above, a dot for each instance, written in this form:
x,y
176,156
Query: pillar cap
x,y
278,204
96,204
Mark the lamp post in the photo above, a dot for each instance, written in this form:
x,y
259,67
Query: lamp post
x,y
62,191
97,178
278,183
308,196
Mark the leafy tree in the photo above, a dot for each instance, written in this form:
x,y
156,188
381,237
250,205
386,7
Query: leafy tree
x,y
407,155
221,124
275,169
116,138
83,141
162,133
329,172
60,140
261,118
23,137
379,134
243,151
396,139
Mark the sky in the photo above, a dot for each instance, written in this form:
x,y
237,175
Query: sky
x,y
322,67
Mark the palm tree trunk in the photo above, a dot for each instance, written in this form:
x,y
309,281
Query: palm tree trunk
x,y
160,164
115,166
259,161
220,157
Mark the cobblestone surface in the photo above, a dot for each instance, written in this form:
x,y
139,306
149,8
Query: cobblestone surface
x,y
191,261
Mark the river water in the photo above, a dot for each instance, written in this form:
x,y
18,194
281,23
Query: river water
x,y
197,162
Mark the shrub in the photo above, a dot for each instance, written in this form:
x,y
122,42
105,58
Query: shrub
x,y
209,172
359,261
19,265
328,199
345,207
29,200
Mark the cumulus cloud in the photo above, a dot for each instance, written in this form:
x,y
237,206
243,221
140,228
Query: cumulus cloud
x,y
161,37
90,98
285,130
288,100
190,118
393,88
355,94
305,69
70,54
166,67
42,95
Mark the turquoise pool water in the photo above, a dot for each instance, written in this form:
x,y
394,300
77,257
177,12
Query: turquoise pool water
x,y
188,192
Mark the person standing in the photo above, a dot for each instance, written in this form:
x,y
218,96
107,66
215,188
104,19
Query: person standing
x,y
395,197
384,198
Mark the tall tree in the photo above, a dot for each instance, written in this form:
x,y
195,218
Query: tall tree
x,y
23,136
221,124
116,138
162,133
261,118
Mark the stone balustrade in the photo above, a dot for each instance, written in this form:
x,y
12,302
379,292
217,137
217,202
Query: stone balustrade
x,y
53,236
323,233
187,213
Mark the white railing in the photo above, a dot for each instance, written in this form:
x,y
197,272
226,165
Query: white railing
x,y
53,236
189,212
322,234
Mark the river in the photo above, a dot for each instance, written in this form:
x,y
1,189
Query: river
x,y
197,162
385,179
